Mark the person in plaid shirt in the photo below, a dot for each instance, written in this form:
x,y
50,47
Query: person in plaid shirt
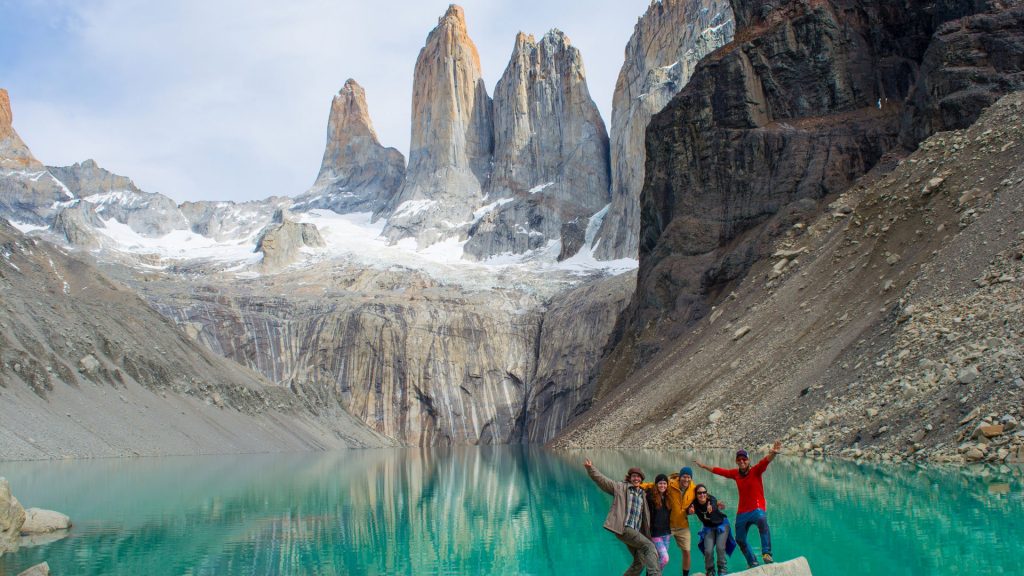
x,y
629,519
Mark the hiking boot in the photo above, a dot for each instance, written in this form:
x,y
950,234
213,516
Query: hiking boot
x,y
767,558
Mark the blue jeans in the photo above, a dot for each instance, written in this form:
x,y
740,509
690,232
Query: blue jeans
x,y
743,523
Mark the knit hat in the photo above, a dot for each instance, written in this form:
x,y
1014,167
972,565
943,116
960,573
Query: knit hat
x,y
634,470
660,477
742,454
686,471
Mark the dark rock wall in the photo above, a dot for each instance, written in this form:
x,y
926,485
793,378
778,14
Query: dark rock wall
x,y
809,96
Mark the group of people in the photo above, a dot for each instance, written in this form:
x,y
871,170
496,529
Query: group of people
x,y
647,516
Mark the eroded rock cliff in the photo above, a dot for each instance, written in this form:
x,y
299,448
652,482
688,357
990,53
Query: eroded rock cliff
x,y
550,151
807,98
422,360
87,368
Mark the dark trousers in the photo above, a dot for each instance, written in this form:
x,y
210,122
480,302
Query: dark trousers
x,y
743,523
715,541
645,555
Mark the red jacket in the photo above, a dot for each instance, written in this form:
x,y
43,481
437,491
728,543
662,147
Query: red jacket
x,y
750,486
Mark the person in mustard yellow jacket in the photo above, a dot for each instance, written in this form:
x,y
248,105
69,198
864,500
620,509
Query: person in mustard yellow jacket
x,y
680,496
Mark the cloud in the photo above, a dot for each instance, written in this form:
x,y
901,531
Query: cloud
x,y
228,100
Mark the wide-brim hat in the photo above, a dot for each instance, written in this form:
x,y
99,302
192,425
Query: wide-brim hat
x,y
635,470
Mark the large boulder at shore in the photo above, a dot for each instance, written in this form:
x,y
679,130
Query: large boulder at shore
x,y
12,517
42,569
795,567
39,521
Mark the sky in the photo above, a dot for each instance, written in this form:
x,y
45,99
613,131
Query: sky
x,y
229,99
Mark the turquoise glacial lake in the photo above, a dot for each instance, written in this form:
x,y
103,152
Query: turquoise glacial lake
x,y
503,510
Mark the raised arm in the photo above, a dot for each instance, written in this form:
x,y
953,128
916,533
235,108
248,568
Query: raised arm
x,y
602,481
776,448
703,465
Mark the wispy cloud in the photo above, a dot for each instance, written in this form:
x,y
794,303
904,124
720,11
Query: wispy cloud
x,y
228,99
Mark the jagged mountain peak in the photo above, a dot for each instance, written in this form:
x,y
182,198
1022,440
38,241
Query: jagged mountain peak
x,y
452,138
357,173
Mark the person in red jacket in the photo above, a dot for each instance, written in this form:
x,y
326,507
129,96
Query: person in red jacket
x,y
752,509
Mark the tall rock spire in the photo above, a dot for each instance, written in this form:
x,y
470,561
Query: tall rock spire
x,y
550,152
452,134
667,42
14,154
357,174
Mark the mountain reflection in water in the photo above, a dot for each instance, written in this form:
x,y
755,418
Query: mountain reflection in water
x,y
491,510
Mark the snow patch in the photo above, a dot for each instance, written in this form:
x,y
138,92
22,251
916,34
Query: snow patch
x,y
25,227
412,207
540,187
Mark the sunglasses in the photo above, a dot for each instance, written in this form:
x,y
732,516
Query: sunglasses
x,y
701,493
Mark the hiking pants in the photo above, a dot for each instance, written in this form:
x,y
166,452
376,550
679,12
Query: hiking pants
x,y
645,555
743,523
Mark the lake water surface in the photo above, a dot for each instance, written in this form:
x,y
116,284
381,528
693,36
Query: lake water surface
x,y
502,510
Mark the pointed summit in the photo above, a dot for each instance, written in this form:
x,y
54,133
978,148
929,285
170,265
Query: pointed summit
x,y
357,174
450,151
14,154
550,151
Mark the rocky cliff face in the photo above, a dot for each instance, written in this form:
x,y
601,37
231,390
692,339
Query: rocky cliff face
x,y
357,173
452,138
421,360
550,150
87,368
667,42
884,327
807,98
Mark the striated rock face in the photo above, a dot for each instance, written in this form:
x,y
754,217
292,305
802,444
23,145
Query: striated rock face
x,y
14,154
418,360
667,42
550,150
806,99
357,173
87,368
117,197
282,240
573,332
452,138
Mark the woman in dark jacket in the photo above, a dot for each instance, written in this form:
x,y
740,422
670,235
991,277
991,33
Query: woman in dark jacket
x,y
716,533
658,504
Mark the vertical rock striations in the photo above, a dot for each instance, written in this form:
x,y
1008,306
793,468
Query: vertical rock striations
x,y
357,174
667,42
806,99
452,133
550,150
